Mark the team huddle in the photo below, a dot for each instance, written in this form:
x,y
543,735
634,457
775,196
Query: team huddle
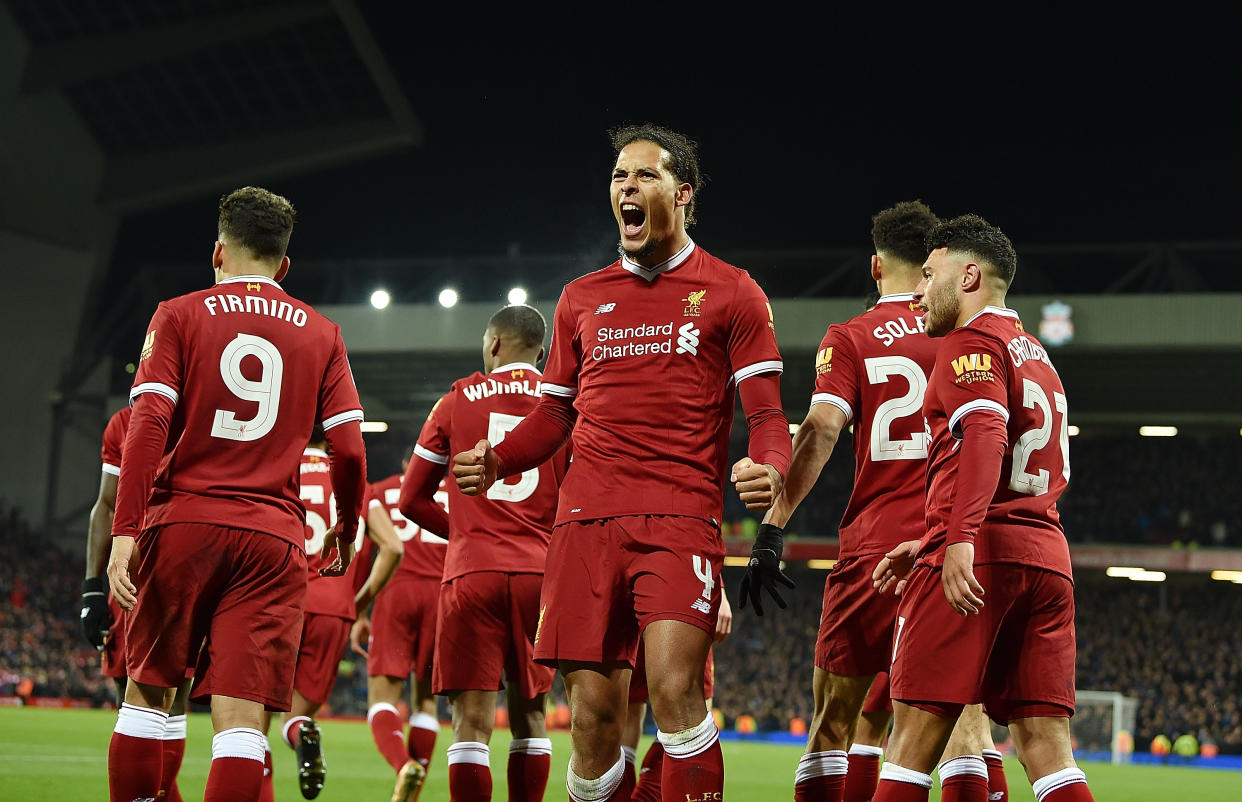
x,y
569,519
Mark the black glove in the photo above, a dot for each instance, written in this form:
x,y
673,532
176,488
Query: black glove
x,y
764,570
96,617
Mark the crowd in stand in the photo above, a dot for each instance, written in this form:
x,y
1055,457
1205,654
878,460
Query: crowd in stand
x,y
1181,658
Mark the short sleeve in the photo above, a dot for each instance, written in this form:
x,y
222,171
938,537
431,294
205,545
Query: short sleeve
x,y
836,372
433,440
971,375
752,333
161,365
114,442
338,397
560,375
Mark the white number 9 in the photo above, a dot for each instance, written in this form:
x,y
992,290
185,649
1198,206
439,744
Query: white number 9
x,y
265,390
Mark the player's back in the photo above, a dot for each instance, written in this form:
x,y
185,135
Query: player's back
x,y
994,351
511,530
874,367
258,369
424,551
112,445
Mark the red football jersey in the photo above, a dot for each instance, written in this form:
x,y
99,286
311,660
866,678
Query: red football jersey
x,y
651,357
114,441
509,529
424,551
250,370
874,368
325,595
990,365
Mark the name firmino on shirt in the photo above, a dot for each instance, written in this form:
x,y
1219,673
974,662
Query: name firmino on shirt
x,y
255,305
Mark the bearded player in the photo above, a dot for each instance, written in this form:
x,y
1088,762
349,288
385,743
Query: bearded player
x,y
208,535
494,570
646,357
998,462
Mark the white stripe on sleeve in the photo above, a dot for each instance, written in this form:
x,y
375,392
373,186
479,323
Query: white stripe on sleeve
x,y
431,456
837,401
771,366
154,387
343,417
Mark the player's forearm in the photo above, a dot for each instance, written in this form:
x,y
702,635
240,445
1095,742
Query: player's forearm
x,y
417,501
98,539
538,437
978,472
812,448
769,441
348,473
382,569
144,449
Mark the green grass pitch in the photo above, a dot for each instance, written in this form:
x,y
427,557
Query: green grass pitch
x,y
62,755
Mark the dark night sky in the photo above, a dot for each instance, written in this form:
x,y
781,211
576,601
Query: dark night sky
x,y
1060,131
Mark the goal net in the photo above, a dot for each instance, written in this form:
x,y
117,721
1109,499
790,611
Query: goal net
x,y
1103,726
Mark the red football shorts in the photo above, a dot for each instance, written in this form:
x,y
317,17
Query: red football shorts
x,y
856,625
324,638
608,579
488,621
239,594
638,679
877,700
403,629
113,664
1016,656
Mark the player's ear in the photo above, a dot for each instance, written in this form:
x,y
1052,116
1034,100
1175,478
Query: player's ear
x,y
542,353
217,255
876,261
972,277
283,270
683,195
494,348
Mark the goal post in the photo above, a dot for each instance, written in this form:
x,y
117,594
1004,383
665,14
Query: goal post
x,y
1103,726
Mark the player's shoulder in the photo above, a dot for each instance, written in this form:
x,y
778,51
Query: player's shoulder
x,y
386,483
602,275
716,269
120,418
992,323
466,381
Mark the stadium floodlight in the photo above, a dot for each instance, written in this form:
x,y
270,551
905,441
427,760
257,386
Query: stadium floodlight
x,y
737,562
1149,576
1073,431
1228,576
517,295
1158,431
448,297
373,426
380,299
821,565
1124,571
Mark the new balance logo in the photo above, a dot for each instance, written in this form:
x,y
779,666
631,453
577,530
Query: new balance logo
x,y
703,606
688,340
605,308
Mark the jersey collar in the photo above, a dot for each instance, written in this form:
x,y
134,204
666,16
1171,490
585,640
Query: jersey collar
x,y
650,273
249,280
516,366
992,310
896,297
314,452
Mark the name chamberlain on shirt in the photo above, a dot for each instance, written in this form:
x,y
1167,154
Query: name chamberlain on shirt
x,y
631,348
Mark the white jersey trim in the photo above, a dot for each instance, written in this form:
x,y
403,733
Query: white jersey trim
x,y
770,366
897,297
559,389
314,452
430,456
837,401
992,310
249,280
672,263
515,366
154,387
975,406
344,417
112,470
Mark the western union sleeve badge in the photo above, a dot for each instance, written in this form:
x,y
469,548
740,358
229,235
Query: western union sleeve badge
x,y
148,345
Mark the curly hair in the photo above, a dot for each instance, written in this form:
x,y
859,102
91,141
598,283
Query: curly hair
x,y
971,234
683,156
902,229
257,220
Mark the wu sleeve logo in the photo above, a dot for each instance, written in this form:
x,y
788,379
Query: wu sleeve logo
x,y
823,361
688,340
148,346
970,368
694,303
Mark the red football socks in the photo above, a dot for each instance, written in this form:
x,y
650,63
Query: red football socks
x,y
650,776
236,766
693,765
267,789
964,779
470,773
998,785
136,754
899,784
422,740
821,777
864,772
386,727
1066,785
530,761
289,731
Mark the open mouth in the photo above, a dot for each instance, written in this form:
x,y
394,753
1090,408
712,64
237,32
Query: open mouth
x,y
632,219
